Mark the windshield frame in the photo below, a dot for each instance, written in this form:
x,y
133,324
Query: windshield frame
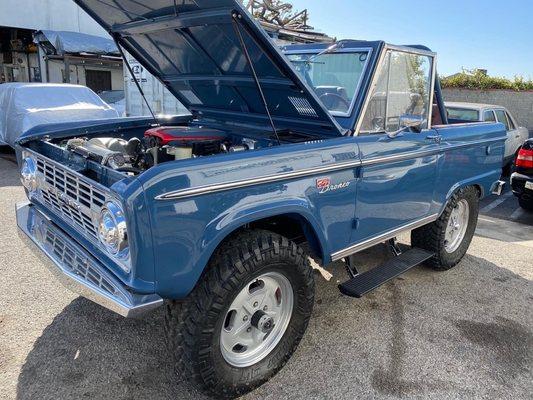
x,y
359,84
379,66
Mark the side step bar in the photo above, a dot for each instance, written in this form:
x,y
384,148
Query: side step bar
x,y
370,280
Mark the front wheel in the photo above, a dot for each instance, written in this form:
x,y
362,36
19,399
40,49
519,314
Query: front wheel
x,y
450,236
245,318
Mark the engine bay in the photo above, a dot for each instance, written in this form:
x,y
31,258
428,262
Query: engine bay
x,y
157,145
110,152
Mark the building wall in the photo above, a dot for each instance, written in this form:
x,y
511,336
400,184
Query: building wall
x,y
23,67
519,104
59,15
77,74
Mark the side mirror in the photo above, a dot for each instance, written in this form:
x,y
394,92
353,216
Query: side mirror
x,y
408,122
411,121
414,122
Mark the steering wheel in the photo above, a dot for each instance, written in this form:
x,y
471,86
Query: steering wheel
x,y
332,101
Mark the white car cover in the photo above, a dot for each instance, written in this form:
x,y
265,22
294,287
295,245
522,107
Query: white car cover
x,y
25,105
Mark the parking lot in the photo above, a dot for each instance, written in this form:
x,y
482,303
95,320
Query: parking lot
x,y
465,333
505,207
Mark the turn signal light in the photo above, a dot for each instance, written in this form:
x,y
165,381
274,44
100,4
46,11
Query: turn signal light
x,y
524,159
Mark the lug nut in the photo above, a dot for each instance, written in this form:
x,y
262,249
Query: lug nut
x,y
265,308
245,318
256,304
249,330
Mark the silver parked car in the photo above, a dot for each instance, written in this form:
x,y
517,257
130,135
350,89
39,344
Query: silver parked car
x,y
474,112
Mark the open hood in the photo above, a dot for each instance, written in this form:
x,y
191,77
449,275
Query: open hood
x,y
194,48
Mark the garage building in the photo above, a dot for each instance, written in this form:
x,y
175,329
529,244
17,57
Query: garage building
x,y
42,46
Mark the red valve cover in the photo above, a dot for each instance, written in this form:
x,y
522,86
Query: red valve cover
x,y
167,134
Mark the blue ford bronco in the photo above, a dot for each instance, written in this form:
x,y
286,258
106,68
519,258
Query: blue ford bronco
x,y
289,158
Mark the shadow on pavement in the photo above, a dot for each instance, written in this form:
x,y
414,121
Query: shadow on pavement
x,y
88,352
8,171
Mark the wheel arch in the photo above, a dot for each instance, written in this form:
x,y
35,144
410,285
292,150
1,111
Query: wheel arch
x,y
220,231
294,222
467,183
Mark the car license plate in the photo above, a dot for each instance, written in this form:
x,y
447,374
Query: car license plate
x,y
529,185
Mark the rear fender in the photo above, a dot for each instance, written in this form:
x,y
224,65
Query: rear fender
x,y
479,182
472,156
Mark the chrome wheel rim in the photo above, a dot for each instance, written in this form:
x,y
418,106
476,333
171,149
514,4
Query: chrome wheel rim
x,y
256,320
457,225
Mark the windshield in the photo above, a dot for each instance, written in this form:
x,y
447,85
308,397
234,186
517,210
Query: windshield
x,y
111,96
335,77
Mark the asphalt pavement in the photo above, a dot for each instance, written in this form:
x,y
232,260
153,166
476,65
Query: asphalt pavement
x,y
465,333
505,207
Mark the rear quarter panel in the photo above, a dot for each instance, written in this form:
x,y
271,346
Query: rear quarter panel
x,y
472,155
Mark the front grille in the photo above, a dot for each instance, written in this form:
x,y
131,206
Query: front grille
x,y
77,201
76,263
71,214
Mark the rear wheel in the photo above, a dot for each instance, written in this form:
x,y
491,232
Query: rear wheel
x,y
450,236
245,318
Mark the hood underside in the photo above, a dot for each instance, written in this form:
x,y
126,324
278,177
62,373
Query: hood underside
x,y
194,48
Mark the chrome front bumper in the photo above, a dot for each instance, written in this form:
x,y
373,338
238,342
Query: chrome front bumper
x,y
76,268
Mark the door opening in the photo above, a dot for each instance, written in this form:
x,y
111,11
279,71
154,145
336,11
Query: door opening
x,y
98,81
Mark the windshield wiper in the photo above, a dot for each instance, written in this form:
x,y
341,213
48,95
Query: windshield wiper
x,y
331,49
306,62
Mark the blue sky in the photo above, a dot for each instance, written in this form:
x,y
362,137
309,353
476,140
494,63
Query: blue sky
x,y
496,35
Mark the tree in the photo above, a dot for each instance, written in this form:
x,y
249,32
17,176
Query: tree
x,y
279,13
480,80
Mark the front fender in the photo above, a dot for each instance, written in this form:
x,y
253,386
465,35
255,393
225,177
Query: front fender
x,y
186,230
180,264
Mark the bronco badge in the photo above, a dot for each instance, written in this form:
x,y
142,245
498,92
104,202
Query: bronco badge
x,y
324,185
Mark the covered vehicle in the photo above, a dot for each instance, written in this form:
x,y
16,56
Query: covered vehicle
x,y
26,105
116,99
340,147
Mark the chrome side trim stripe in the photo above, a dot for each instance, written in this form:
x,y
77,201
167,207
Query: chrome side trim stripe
x,y
469,144
425,153
219,187
382,238
208,189
400,157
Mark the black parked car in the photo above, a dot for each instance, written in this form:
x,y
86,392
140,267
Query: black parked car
x,y
522,179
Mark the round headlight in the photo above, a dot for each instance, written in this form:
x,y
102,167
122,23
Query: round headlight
x,y
112,230
28,174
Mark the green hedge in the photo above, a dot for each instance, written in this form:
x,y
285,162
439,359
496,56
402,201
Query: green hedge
x,y
481,81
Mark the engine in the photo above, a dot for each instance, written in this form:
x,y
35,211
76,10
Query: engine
x,y
179,143
158,145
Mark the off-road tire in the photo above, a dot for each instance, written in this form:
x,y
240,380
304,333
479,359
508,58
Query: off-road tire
x,y
526,205
431,237
193,326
